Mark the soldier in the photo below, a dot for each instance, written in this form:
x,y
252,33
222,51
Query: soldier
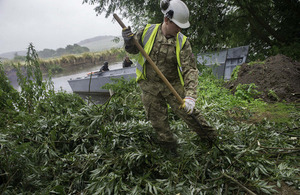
x,y
127,62
172,53
104,67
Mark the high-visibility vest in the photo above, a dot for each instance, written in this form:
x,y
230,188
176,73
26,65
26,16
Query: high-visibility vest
x,y
148,38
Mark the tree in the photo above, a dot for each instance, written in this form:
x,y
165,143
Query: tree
x,y
269,27
46,53
17,57
60,52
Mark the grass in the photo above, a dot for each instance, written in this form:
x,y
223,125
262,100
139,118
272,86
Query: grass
x,y
275,112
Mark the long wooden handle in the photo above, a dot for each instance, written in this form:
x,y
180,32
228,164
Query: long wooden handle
x,y
160,74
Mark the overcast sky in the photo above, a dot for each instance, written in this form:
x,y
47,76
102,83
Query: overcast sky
x,y
50,24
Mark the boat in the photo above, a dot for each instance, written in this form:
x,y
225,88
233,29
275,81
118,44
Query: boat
x,y
223,62
93,81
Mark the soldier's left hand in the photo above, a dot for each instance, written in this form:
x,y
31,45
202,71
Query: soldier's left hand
x,y
127,34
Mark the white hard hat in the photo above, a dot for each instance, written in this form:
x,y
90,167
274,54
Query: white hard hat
x,y
176,11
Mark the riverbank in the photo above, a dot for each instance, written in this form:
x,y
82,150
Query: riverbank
x,y
68,64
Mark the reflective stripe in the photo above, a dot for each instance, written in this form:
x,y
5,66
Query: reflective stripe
x,y
148,33
180,68
139,66
180,39
179,44
148,38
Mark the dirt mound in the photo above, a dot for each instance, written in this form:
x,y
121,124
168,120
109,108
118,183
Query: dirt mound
x,y
278,73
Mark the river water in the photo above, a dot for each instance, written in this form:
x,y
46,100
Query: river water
x,y
60,82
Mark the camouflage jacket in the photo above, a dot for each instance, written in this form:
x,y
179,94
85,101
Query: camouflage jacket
x,y
163,54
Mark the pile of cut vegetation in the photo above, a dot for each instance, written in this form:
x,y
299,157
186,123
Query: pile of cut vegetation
x,y
54,142
277,78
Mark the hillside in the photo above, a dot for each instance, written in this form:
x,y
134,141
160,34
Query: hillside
x,y
11,55
99,43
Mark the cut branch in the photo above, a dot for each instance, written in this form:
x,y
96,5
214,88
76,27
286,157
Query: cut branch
x,y
238,183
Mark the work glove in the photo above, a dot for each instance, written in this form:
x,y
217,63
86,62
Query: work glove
x,y
188,104
127,34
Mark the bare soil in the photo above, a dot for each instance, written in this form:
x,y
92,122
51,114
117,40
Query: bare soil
x,y
279,74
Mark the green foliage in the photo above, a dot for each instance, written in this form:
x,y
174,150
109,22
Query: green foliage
x,y
70,49
247,91
255,62
32,128
235,72
125,104
87,56
54,68
55,143
19,58
269,27
273,94
8,97
279,112
30,80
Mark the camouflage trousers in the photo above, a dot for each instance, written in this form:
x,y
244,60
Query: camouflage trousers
x,y
156,107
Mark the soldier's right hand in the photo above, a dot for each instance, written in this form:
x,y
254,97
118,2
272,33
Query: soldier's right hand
x,y
188,104
127,34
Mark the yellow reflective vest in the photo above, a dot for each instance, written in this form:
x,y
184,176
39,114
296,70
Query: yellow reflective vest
x,y
148,38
